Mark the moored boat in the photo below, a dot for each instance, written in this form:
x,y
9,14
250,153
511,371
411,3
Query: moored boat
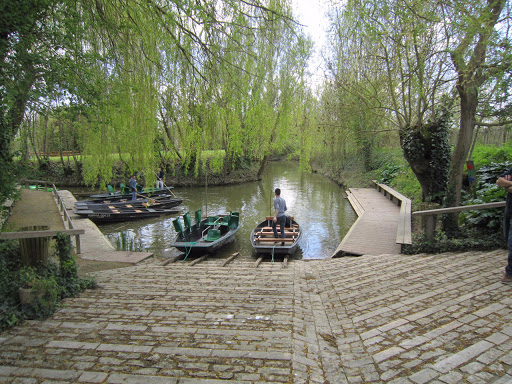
x,y
123,214
206,235
124,193
160,201
264,241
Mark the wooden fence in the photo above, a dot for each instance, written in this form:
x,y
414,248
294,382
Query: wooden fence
x,y
432,213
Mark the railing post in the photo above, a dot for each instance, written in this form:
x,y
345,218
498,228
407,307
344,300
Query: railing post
x,y
77,241
430,225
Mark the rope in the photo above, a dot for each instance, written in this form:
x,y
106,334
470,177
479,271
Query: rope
x,y
188,251
275,245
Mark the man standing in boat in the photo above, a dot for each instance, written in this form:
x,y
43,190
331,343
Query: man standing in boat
x,y
160,178
279,216
133,187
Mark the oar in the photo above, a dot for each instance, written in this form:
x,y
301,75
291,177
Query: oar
x,y
151,201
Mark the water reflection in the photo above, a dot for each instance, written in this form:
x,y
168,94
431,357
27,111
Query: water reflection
x,y
315,202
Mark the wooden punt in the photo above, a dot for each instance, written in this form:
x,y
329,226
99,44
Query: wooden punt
x,y
263,240
123,214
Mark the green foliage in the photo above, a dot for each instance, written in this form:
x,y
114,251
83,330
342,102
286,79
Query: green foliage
x,y
486,191
50,283
389,173
464,241
484,155
402,179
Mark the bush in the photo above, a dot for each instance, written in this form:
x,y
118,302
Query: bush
x,y
467,239
50,282
485,155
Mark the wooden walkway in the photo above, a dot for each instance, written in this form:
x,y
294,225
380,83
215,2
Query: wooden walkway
x,y
375,230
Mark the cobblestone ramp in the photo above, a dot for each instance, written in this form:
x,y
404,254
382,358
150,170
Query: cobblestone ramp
x,y
396,319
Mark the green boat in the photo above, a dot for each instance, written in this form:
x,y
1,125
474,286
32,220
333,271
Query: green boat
x,y
206,235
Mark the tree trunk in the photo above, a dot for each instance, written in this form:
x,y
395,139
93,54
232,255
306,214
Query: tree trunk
x,y
468,104
471,76
426,148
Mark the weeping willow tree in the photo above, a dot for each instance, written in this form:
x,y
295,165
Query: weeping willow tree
x,y
241,103
184,76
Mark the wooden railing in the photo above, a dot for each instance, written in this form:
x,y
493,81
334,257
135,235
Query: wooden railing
x,y
66,219
28,182
431,214
404,229
71,231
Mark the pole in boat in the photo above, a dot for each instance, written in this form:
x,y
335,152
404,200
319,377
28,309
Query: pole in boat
x,y
206,186
169,189
270,202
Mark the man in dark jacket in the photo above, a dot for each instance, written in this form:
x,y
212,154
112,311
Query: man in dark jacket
x,y
505,181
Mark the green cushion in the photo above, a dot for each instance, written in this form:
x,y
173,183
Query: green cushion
x,y
212,220
177,226
233,222
186,220
213,234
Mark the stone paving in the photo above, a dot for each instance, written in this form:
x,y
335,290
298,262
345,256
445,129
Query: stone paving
x,y
371,319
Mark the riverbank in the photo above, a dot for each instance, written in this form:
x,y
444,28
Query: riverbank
x,y
36,208
176,176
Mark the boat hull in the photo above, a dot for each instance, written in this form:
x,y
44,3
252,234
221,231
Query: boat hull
x,y
103,216
193,242
264,242
158,202
118,195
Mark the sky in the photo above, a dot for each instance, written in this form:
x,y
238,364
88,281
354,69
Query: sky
x,y
311,13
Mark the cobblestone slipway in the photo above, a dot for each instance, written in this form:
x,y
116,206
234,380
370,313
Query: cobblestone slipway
x,y
372,319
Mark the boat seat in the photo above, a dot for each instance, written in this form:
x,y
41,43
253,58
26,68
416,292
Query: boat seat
x,y
270,229
124,189
198,217
226,220
212,220
275,240
110,189
186,220
177,226
213,235
233,221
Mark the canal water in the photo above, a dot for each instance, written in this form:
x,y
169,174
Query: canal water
x,y
315,202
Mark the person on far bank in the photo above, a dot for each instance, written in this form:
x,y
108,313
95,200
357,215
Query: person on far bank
x,y
133,187
160,178
505,181
279,216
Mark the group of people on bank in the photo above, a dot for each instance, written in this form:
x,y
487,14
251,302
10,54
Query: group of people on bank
x,y
132,184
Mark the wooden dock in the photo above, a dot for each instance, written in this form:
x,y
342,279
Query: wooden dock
x,y
375,230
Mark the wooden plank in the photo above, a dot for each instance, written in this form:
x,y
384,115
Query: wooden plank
x,y
404,230
390,191
287,234
197,261
375,231
258,262
33,234
230,258
275,240
356,205
285,228
498,204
